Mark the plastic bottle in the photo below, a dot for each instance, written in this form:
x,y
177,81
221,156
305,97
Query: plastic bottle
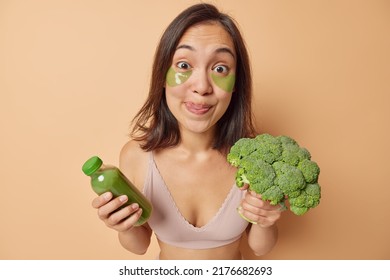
x,y
108,178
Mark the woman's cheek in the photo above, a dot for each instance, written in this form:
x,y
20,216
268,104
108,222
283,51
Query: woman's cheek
x,y
174,78
226,83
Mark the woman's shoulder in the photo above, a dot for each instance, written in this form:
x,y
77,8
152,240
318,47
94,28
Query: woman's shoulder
x,y
132,148
133,161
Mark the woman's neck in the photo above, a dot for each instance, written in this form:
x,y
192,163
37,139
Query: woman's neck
x,y
196,142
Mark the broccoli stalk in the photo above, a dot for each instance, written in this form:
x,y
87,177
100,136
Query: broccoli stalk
x,y
277,168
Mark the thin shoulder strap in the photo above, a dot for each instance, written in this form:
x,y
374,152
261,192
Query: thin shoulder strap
x,y
149,176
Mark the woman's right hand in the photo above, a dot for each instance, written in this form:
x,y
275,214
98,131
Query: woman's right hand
x,y
119,220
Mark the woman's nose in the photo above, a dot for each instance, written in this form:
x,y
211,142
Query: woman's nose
x,y
201,83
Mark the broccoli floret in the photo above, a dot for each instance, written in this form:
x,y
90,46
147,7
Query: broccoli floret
x,y
268,149
274,194
314,191
286,140
298,210
292,153
289,178
310,170
241,178
257,173
309,198
278,169
242,148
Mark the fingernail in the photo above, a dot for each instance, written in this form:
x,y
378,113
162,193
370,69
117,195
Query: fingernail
x,y
134,206
123,198
107,196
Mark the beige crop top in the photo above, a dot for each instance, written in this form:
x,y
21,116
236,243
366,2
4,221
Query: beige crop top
x,y
172,228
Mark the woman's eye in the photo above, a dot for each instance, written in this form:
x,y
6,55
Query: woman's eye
x,y
220,69
183,66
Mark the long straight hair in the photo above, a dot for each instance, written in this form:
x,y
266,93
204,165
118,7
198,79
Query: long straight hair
x,y
155,126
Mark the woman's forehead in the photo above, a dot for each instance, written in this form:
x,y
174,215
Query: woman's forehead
x,y
205,34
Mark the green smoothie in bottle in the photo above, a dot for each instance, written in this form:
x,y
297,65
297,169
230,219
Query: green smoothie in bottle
x,y
107,178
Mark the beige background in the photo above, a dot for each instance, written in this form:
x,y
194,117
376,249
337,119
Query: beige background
x,y
74,73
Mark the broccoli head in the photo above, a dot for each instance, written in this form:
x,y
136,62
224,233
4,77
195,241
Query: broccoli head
x,y
277,168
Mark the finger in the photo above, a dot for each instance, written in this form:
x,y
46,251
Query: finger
x,y
251,208
129,222
118,216
110,207
253,200
242,213
261,209
101,200
251,217
254,194
256,200
263,221
270,207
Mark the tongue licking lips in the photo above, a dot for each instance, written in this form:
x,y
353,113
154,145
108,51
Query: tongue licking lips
x,y
198,109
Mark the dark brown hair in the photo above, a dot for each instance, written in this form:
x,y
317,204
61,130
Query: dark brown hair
x,y
154,124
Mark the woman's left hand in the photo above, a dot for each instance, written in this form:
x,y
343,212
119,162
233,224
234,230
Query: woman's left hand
x,y
258,211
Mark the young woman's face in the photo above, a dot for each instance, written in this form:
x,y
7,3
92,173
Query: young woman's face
x,y
200,82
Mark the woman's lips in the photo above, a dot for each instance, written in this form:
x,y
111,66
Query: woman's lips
x,y
198,109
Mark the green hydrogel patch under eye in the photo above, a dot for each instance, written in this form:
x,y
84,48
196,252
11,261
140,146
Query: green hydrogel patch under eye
x,y
177,78
225,83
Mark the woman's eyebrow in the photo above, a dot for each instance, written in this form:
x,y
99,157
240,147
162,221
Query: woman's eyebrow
x,y
184,46
225,50
219,50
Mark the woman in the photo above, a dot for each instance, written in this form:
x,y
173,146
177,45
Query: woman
x,y
198,107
